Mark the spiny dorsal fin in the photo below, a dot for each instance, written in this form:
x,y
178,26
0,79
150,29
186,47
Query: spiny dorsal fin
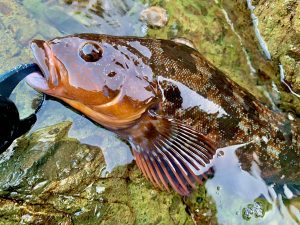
x,y
171,154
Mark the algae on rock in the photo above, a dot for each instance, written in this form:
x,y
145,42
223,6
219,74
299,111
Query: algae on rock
x,y
279,25
52,176
204,23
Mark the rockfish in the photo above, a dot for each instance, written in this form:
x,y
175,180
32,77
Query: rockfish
x,y
172,105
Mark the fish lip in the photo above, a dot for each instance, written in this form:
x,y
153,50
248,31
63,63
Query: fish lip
x,y
47,62
41,56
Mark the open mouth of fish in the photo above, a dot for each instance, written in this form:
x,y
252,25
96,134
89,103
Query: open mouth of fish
x,y
49,65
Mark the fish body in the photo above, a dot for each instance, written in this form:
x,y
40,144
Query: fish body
x,y
171,103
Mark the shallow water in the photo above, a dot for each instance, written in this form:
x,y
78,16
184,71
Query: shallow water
x,y
232,196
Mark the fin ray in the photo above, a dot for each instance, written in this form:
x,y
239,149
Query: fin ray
x,y
171,179
205,141
171,154
189,155
185,134
173,170
185,160
160,173
182,163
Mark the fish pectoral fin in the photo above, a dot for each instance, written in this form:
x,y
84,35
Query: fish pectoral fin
x,y
171,154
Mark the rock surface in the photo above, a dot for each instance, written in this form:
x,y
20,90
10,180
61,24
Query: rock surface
x,y
47,176
154,16
280,27
278,24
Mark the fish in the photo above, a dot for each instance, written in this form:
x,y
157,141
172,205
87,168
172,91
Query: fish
x,y
175,108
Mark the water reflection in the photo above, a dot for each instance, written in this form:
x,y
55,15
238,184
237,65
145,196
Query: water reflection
x,y
192,99
244,197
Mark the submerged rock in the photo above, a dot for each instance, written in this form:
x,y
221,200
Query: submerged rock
x,y
155,16
17,28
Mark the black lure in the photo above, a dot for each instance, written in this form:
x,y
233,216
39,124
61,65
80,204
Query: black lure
x,y
11,127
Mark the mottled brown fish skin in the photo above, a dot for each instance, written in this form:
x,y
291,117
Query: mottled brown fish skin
x,y
274,138
157,72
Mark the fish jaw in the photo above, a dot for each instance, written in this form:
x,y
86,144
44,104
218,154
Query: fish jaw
x,y
48,80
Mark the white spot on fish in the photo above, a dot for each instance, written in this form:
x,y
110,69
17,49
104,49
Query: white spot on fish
x,y
265,139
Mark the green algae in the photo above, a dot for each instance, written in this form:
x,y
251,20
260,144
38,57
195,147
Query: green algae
x,y
146,200
204,23
202,207
52,176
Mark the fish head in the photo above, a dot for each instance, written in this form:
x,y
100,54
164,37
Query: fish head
x,y
95,73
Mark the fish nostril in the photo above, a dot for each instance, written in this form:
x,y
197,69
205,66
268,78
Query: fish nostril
x,y
112,74
36,44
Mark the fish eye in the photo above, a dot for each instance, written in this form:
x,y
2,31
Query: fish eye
x,y
90,52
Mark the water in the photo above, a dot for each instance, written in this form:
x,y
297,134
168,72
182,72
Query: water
x,y
79,175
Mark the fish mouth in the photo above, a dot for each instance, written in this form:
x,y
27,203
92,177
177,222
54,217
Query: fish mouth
x,y
48,64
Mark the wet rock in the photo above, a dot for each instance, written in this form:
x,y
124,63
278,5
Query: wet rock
x,y
48,176
12,213
145,200
277,23
280,27
202,207
155,16
114,17
17,29
4,9
204,24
